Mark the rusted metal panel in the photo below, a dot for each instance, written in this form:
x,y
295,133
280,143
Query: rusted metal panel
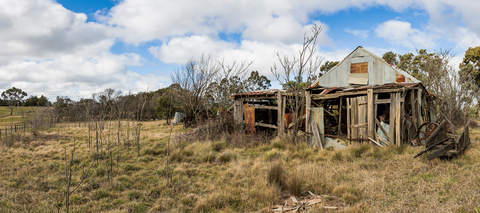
x,y
249,114
399,78
359,68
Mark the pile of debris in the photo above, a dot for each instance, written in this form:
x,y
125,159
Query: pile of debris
x,y
442,144
302,203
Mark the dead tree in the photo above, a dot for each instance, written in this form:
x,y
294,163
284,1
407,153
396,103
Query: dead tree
x,y
298,73
140,104
68,176
189,85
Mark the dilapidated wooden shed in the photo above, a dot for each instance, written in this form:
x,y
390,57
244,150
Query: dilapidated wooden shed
x,y
363,99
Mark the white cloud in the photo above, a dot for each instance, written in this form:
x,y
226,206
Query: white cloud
x,y
178,50
47,49
363,34
402,33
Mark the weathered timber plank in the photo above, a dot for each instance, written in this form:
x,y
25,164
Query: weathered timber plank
x,y
381,128
266,107
348,119
308,126
364,125
398,124
370,114
280,116
442,150
340,116
316,134
392,119
438,134
386,101
266,125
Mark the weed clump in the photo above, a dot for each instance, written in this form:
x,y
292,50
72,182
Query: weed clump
x,y
337,156
295,183
275,175
278,144
225,157
131,167
271,155
357,151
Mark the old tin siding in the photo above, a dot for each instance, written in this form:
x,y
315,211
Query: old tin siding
x,y
379,72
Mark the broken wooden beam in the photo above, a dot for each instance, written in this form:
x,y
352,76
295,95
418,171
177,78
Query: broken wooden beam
x,y
266,125
442,150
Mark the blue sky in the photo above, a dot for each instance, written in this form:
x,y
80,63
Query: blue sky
x,y
76,48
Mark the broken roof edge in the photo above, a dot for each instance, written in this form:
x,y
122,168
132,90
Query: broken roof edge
x,y
352,88
265,92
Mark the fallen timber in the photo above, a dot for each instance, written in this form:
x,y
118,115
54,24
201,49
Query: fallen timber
x,y
441,144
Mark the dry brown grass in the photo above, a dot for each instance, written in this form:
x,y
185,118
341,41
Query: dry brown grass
x,y
216,176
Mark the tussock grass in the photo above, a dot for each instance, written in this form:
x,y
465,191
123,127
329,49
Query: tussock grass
x,y
231,175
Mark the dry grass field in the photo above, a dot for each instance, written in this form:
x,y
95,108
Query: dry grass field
x,y
217,176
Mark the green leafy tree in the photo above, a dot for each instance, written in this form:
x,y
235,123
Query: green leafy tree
x,y
31,101
42,101
13,96
423,65
166,105
256,82
328,65
470,67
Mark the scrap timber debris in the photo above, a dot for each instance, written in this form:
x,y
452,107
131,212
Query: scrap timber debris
x,y
300,204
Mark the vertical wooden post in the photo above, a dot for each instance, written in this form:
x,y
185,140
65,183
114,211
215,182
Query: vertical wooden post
x,y
354,118
414,108
284,108
370,114
340,116
348,119
391,131
419,109
375,112
280,117
308,126
397,119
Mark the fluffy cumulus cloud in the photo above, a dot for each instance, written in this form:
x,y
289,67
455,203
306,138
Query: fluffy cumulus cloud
x,y
402,33
47,49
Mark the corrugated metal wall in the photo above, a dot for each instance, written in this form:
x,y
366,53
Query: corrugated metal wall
x,y
379,72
